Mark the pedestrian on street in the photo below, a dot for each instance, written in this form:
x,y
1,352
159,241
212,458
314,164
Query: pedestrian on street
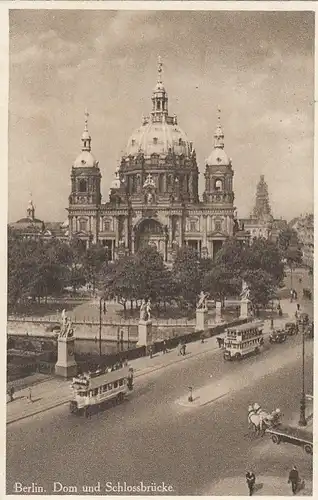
x,y
250,480
202,338
150,352
30,395
294,479
104,307
298,307
291,295
164,347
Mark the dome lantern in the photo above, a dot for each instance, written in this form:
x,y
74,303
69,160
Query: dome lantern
x,y
159,98
219,134
86,138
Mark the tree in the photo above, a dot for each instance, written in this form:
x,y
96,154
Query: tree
x,y
220,282
92,260
290,249
187,273
262,286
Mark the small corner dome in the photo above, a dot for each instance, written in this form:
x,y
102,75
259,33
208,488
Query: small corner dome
x,y
85,159
218,157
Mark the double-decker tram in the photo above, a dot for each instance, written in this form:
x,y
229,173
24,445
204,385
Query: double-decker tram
x,y
95,390
243,340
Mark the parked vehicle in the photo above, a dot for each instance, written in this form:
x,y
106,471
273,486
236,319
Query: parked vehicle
x,y
291,328
292,435
277,337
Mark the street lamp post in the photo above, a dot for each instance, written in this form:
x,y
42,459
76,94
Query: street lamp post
x,y
100,326
302,417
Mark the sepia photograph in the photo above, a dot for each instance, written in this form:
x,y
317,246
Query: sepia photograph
x,y
160,252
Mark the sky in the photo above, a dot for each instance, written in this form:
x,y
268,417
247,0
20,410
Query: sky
x,y
258,67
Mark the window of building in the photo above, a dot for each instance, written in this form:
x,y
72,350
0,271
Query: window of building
x,y
155,140
158,105
106,225
218,225
115,385
82,224
218,185
180,141
193,226
83,186
110,386
133,142
121,382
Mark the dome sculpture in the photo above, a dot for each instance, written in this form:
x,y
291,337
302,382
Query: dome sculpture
x,y
86,158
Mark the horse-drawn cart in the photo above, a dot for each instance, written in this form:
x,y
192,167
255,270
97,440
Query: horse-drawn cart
x,y
292,435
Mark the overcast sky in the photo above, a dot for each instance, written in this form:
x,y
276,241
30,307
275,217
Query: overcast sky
x,y
257,66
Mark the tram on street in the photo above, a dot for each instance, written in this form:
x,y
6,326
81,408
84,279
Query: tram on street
x,y
97,389
242,340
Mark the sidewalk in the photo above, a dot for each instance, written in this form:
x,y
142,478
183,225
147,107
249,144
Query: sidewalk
x,y
265,485
54,392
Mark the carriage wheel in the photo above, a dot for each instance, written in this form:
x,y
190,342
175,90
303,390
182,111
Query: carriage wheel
x,y
308,449
275,439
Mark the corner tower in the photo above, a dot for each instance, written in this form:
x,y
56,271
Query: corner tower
x,y
85,197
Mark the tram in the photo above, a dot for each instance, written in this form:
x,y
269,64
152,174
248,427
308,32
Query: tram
x,y
95,390
243,340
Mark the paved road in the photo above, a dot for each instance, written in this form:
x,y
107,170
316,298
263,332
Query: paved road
x,y
152,439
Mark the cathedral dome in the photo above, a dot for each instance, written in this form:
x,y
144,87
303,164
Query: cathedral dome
x,y
159,138
218,157
85,159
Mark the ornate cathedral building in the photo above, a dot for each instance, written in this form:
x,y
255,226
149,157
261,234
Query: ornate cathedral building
x,y
154,197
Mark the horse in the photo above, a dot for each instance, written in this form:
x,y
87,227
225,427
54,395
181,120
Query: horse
x,y
261,419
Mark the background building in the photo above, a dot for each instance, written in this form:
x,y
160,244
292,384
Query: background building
x,y
304,226
261,223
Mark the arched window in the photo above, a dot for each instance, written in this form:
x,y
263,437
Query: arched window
x,y
218,185
155,140
82,186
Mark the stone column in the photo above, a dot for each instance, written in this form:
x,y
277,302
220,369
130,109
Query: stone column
x,y
245,308
205,230
144,333
201,319
66,365
126,233
218,312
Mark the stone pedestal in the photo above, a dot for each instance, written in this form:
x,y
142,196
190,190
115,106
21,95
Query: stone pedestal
x,y
218,312
201,319
144,333
245,308
66,365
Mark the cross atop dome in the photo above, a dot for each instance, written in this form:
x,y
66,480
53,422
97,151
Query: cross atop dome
x,y
219,134
159,70
86,138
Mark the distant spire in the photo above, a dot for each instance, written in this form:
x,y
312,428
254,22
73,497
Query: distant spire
x,y
219,134
262,209
86,138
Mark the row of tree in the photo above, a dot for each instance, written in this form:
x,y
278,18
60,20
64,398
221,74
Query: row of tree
x,y
144,275
40,269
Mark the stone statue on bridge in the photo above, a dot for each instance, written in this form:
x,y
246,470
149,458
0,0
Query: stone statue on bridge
x,y
145,310
66,330
201,304
245,293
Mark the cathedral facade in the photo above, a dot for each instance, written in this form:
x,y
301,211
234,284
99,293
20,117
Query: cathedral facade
x,y
154,197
